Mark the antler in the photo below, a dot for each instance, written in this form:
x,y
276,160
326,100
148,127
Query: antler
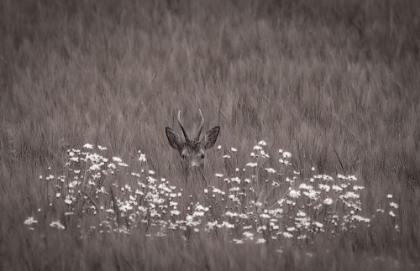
x,y
182,127
200,129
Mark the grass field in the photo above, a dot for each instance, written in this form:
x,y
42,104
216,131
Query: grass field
x,y
325,94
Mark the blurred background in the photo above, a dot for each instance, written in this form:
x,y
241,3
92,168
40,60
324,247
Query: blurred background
x,y
334,82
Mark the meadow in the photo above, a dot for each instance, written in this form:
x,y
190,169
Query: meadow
x,y
316,168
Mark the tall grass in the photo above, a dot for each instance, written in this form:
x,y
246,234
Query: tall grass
x,y
334,82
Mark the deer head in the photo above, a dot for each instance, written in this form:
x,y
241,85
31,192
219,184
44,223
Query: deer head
x,y
192,151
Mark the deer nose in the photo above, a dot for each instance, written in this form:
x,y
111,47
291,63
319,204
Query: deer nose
x,y
194,164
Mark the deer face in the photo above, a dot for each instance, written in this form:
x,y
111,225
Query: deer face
x,y
192,152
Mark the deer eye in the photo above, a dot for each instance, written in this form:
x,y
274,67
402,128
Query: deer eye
x,y
203,155
183,156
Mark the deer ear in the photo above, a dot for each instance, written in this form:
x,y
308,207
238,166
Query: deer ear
x,y
174,139
211,137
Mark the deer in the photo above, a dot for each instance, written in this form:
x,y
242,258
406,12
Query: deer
x,y
192,151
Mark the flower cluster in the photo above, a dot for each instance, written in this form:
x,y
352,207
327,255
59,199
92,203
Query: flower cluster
x,y
257,204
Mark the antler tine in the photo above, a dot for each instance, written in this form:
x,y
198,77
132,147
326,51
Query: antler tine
x,y
182,127
200,129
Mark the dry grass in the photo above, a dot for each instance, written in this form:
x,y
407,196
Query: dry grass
x,y
334,82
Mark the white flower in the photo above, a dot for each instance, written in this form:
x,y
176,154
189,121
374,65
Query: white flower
x,y
328,201
95,167
360,218
230,214
236,180
324,187
219,147
270,170
49,177
248,235
30,220
318,224
216,190
226,156
305,186
263,154
218,175
68,200
294,194
198,213
262,143
234,149
211,225
287,155
116,159
287,235
393,204
310,194
350,195
238,241
351,178
324,177
256,147
175,212
227,225
265,216
289,180
357,187
57,225
251,164
125,207
88,146
151,172
101,148
337,188
142,157
260,241
301,213
391,213
389,196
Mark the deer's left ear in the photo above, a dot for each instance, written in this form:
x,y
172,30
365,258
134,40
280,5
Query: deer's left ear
x,y
174,139
210,138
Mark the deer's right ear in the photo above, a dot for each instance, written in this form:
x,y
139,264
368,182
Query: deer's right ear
x,y
174,139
